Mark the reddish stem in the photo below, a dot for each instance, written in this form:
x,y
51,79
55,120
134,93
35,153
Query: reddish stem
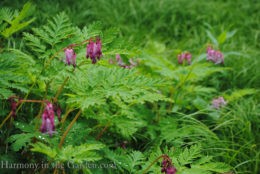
x,y
68,129
102,132
162,156
32,101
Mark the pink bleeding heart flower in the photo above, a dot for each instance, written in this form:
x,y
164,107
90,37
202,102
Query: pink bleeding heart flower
x,y
94,51
186,56
70,56
119,60
48,125
219,102
214,55
121,63
167,166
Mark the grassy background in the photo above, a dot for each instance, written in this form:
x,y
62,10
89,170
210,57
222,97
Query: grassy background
x,y
177,24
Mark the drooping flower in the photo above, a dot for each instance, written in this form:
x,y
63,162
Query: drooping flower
x,y
48,125
186,56
167,166
70,56
121,63
171,170
119,60
14,105
214,55
94,51
219,102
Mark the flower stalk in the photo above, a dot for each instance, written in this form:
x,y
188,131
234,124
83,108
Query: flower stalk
x,y
68,129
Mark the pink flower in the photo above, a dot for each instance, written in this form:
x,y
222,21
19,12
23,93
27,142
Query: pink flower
x,y
214,55
218,102
94,50
167,166
48,125
14,103
184,56
70,57
120,62
171,170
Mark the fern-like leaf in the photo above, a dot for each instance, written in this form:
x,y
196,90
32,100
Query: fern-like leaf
x,y
97,84
56,30
84,152
16,20
44,149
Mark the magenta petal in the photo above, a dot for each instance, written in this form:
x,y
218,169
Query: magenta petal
x,y
218,103
171,170
214,56
184,57
48,125
70,56
94,50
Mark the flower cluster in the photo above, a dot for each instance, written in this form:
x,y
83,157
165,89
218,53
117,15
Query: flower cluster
x,y
184,56
120,62
214,55
48,125
167,166
70,56
219,102
94,50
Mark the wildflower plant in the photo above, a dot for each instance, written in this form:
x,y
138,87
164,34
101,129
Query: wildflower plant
x,y
65,103
184,57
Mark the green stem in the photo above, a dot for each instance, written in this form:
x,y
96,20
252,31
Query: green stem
x,y
6,118
60,89
68,129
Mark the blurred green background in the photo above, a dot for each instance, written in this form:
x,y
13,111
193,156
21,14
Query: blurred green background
x,y
166,27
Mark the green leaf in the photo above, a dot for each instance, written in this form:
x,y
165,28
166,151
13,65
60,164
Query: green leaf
x,y
13,75
190,154
20,140
84,152
212,38
97,84
136,159
16,24
56,30
127,127
237,94
222,37
214,167
34,43
5,93
44,149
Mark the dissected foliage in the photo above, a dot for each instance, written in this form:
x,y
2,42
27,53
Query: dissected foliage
x,y
126,120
